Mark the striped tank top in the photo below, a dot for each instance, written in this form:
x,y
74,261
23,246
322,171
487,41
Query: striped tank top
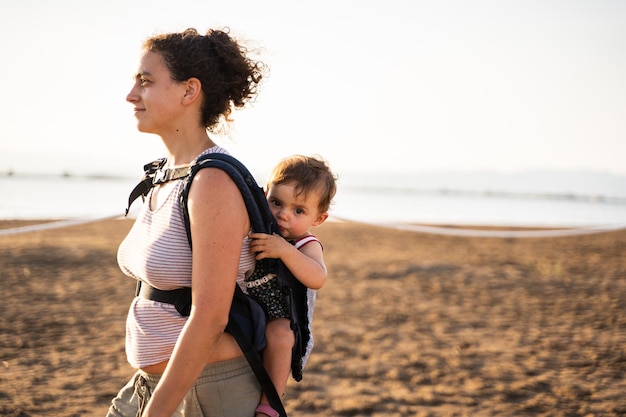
x,y
156,251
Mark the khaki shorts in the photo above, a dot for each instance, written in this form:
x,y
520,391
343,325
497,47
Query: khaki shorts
x,y
224,389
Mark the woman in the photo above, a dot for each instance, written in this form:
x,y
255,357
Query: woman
x,y
185,87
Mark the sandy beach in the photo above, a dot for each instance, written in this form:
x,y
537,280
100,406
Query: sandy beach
x,y
409,324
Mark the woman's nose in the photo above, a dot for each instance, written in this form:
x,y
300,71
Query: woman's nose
x,y
132,96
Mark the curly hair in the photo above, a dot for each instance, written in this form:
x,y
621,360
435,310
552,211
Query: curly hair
x,y
309,173
228,76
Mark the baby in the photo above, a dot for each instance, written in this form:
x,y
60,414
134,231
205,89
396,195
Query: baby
x,y
299,192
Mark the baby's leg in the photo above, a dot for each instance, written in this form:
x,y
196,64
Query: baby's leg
x,y
277,354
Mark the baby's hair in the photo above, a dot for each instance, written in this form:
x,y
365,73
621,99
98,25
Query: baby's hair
x,y
309,173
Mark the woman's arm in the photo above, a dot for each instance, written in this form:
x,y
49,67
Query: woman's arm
x,y
218,221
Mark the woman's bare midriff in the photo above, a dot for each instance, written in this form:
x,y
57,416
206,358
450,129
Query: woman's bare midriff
x,y
227,348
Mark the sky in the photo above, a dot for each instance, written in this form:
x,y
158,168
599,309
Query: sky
x,y
443,85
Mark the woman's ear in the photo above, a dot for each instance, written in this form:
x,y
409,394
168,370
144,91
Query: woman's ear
x,y
193,90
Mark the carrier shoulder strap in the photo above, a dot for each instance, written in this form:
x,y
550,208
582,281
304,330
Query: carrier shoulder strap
x,y
260,221
253,195
255,362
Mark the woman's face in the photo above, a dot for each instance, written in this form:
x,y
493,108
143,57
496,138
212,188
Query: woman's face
x,y
156,96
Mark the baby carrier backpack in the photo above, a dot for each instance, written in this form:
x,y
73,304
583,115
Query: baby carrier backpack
x,y
246,319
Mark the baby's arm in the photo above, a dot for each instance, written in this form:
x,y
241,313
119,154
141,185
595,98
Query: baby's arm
x,y
306,264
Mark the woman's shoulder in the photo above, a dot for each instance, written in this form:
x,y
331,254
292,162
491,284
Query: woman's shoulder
x,y
213,149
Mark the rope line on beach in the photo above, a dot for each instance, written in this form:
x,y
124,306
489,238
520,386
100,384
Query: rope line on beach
x,y
56,225
454,231
438,230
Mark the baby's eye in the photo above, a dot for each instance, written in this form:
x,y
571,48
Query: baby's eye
x,y
275,203
299,211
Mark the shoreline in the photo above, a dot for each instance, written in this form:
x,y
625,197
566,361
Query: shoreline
x,y
71,197
16,223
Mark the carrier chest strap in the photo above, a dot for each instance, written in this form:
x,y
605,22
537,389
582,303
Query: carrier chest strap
x,y
170,174
156,173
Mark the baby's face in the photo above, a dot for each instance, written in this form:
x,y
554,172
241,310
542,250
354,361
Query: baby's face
x,y
295,213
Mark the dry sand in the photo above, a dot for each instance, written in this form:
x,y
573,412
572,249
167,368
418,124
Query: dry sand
x,y
409,324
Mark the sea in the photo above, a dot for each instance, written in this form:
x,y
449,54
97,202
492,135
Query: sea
x,y
529,199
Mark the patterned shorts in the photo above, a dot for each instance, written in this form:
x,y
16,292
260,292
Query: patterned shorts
x,y
268,293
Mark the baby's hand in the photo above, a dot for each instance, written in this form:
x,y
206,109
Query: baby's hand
x,y
268,246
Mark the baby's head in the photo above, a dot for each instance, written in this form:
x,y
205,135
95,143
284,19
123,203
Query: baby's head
x,y
311,175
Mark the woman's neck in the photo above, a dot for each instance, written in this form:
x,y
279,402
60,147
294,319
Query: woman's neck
x,y
183,149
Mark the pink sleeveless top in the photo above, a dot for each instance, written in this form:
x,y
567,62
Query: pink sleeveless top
x,y
311,298
156,251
